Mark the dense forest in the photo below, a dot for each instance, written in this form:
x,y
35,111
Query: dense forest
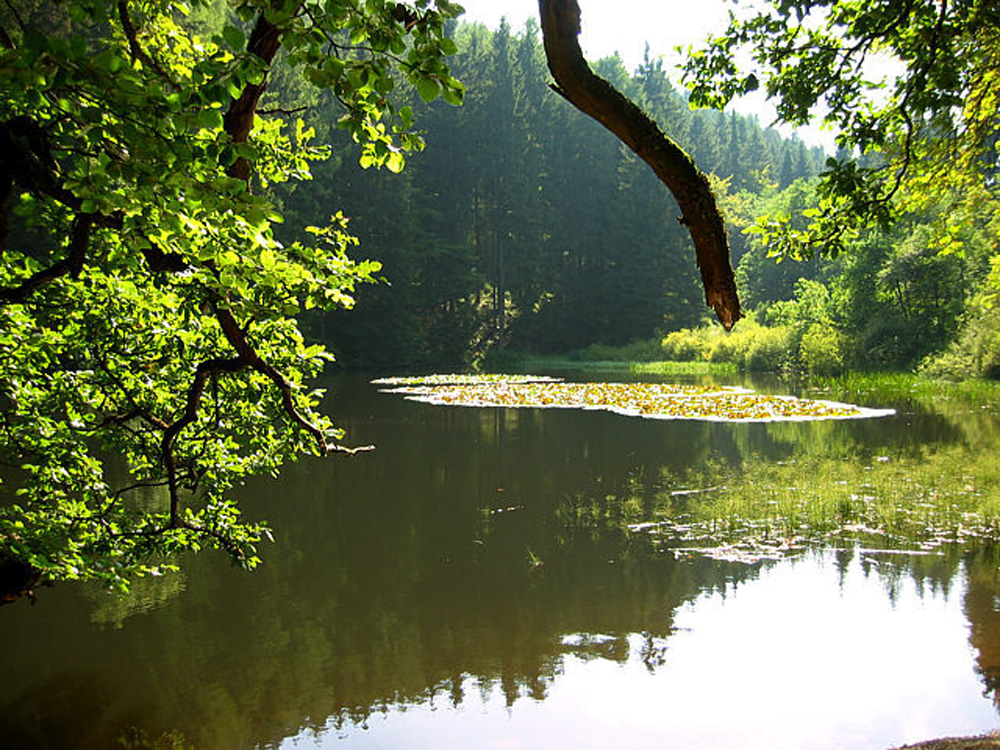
x,y
193,196
524,225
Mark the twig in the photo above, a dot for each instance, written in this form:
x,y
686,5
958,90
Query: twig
x,y
282,111
138,53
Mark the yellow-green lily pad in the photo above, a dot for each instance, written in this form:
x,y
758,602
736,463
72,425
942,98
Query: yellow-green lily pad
x,y
648,400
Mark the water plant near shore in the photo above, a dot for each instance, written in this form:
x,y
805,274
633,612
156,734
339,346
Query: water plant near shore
x,y
913,503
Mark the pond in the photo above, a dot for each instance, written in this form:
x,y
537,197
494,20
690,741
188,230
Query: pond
x,y
534,578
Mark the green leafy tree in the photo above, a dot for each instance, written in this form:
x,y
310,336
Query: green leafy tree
x,y
147,312
931,122
762,279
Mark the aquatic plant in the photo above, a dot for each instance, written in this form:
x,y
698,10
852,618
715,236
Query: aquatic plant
x,y
648,400
919,503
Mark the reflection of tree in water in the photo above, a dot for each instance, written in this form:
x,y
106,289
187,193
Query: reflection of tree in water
x,y
475,552
982,607
386,607
939,573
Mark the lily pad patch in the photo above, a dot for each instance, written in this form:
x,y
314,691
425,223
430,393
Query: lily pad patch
x,y
647,400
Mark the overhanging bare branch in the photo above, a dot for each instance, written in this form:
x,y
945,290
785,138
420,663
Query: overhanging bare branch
x,y
591,94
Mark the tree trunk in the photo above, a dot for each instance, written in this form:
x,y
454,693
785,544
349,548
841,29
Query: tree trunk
x,y
576,82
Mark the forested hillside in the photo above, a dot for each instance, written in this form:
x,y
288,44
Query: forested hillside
x,y
171,271
524,224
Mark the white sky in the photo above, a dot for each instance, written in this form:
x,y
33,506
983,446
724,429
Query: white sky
x,y
622,26
625,26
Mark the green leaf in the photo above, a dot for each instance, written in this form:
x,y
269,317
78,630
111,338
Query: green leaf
x,y
395,162
406,117
428,89
234,38
453,94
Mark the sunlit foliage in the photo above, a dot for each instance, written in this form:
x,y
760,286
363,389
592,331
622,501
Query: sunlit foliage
x,y
911,88
146,307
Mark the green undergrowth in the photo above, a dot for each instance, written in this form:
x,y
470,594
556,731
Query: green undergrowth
x,y
896,385
627,367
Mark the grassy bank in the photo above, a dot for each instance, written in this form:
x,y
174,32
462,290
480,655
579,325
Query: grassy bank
x,y
663,368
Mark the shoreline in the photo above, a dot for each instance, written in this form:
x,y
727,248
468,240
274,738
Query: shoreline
x,y
979,742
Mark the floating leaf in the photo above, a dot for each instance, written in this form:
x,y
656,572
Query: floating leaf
x,y
648,400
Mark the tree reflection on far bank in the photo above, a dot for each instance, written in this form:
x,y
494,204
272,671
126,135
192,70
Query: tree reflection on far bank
x,y
484,559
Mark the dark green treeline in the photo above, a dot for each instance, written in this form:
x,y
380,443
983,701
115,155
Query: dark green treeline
x,y
524,224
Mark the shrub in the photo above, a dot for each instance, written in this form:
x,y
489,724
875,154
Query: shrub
x,y
822,350
975,353
639,350
642,350
731,348
685,345
769,349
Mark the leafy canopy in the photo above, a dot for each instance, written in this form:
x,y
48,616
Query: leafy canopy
x,y
911,88
149,353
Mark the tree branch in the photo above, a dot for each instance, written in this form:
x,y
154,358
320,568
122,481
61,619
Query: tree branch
x,y
281,111
138,53
237,338
238,120
71,265
576,82
205,370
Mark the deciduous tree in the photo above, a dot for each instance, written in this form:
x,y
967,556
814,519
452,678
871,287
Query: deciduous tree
x,y
149,354
911,88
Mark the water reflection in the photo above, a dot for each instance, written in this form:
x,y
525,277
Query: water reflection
x,y
740,668
473,583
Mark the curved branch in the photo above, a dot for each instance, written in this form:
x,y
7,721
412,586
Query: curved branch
x,y
237,338
205,370
71,265
265,39
576,82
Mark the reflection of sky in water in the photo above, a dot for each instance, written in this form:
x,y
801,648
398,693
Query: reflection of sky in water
x,y
803,657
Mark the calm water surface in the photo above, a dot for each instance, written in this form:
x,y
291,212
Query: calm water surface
x,y
473,583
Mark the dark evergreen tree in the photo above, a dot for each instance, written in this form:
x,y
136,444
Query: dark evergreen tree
x,y
525,224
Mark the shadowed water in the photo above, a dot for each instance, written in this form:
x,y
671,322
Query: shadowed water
x,y
474,583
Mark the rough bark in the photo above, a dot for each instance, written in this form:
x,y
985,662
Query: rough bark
x,y
591,94
238,122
